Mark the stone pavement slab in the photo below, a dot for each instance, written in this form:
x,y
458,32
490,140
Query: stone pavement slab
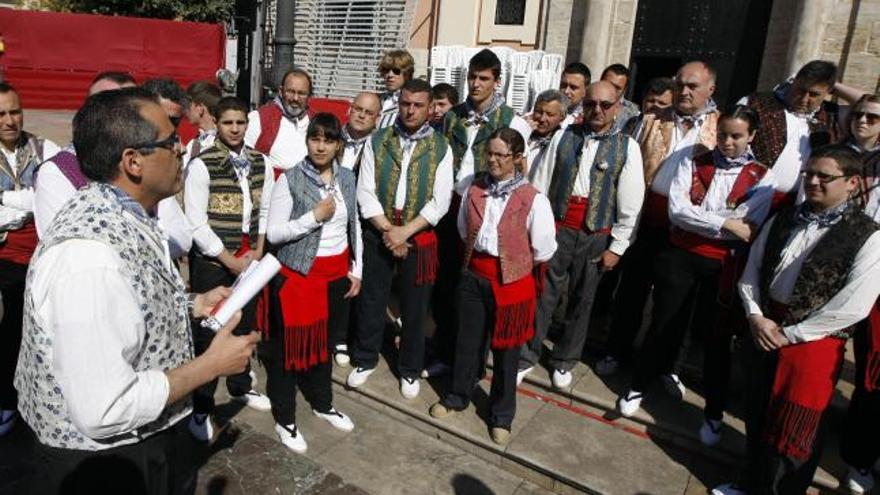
x,y
51,124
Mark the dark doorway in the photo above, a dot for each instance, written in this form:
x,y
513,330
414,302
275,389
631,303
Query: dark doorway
x,y
728,34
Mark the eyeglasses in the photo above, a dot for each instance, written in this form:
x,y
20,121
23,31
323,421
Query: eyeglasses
x,y
822,176
369,113
386,70
604,105
170,143
499,156
872,118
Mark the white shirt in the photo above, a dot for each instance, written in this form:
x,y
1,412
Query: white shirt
x,y
708,218
682,145
630,186
390,109
350,154
539,223
849,306
206,140
795,153
536,155
466,168
197,193
289,147
334,232
23,199
433,210
81,292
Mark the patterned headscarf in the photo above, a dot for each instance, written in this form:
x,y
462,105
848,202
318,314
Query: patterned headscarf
x,y
726,163
501,189
478,118
806,215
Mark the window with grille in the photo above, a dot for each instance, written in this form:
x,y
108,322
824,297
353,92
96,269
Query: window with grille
x,y
510,12
340,42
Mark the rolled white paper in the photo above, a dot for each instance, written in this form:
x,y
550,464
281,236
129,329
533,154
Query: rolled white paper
x,y
246,286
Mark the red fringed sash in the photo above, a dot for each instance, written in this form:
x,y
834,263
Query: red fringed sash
x,y
514,303
305,310
872,365
802,389
20,244
576,215
425,245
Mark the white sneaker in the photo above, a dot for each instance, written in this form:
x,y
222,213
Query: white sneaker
x,y
728,489
521,375
201,427
561,378
710,432
435,369
607,366
291,438
409,387
254,400
630,403
336,419
859,481
358,377
340,355
673,386
7,420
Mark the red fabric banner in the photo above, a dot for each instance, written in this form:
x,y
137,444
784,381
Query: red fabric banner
x,y
52,57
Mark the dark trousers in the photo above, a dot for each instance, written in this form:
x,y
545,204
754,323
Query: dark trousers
x,y
204,276
443,295
12,276
860,438
767,471
476,319
679,277
315,383
636,279
575,261
164,463
379,266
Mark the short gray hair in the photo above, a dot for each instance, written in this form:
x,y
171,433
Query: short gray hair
x,y
549,95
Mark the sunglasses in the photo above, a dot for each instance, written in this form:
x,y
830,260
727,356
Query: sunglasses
x,y
604,105
872,118
169,143
386,70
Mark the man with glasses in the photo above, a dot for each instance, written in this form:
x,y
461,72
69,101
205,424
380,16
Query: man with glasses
x,y
362,117
226,198
278,128
593,178
667,136
106,365
813,272
396,68
21,153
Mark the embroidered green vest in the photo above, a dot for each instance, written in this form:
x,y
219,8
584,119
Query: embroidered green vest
x,y
455,128
226,202
604,174
388,155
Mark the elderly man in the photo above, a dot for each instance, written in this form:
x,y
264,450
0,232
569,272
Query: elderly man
x,y
106,364
596,161
362,117
21,153
573,84
812,273
278,128
667,137
396,68
550,110
618,75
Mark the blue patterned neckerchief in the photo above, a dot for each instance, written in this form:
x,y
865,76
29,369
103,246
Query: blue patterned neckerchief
x,y
130,205
241,163
504,188
292,115
314,175
806,216
589,134
352,141
710,107
410,139
477,118
576,109
726,163
536,141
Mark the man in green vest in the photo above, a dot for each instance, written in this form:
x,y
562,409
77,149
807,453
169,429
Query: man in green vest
x,y
404,189
594,180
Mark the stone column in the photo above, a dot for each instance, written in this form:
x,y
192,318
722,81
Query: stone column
x,y
607,33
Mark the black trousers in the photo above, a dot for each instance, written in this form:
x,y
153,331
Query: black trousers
x,y
443,295
679,276
281,384
860,438
379,265
12,277
636,280
204,276
767,471
164,463
575,261
476,319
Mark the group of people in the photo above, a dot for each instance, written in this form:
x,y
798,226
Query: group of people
x,y
756,222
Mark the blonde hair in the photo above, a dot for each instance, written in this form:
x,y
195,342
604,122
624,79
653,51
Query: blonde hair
x,y
398,59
